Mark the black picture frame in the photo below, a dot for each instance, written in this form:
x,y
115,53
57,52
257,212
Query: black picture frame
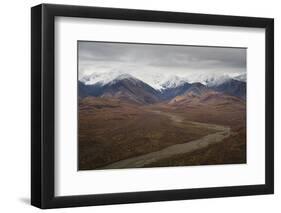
x,y
43,102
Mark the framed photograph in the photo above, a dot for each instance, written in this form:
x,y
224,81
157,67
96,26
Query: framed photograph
x,y
139,106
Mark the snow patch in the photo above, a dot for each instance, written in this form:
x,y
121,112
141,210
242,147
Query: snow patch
x,y
160,82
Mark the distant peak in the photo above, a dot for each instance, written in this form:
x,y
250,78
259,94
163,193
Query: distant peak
x,y
217,80
124,76
242,77
173,82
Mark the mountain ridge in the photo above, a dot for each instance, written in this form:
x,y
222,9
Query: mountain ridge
x,y
158,81
130,88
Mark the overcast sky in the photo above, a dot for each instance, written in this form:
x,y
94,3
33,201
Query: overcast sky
x,y
149,62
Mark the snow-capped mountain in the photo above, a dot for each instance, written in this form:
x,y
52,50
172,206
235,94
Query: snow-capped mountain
x,y
127,86
242,77
121,77
157,81
102,78
214,81
232,87
172,82
123,87
161,82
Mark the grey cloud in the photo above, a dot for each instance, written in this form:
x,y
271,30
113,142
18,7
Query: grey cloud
x,y
96,54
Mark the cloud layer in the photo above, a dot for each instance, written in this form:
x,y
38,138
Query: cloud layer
x,y
150,62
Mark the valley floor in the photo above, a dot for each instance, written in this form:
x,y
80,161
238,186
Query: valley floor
x,y
174,150
115,134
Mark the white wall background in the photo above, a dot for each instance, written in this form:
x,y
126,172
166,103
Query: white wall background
x,y
15,105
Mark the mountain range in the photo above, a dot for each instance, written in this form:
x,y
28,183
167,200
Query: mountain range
x,y
128,88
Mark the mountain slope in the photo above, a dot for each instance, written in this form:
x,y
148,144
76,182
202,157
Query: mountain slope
x,y
89,90
197,89
124,87
232,87
199,94
209,98
170,92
